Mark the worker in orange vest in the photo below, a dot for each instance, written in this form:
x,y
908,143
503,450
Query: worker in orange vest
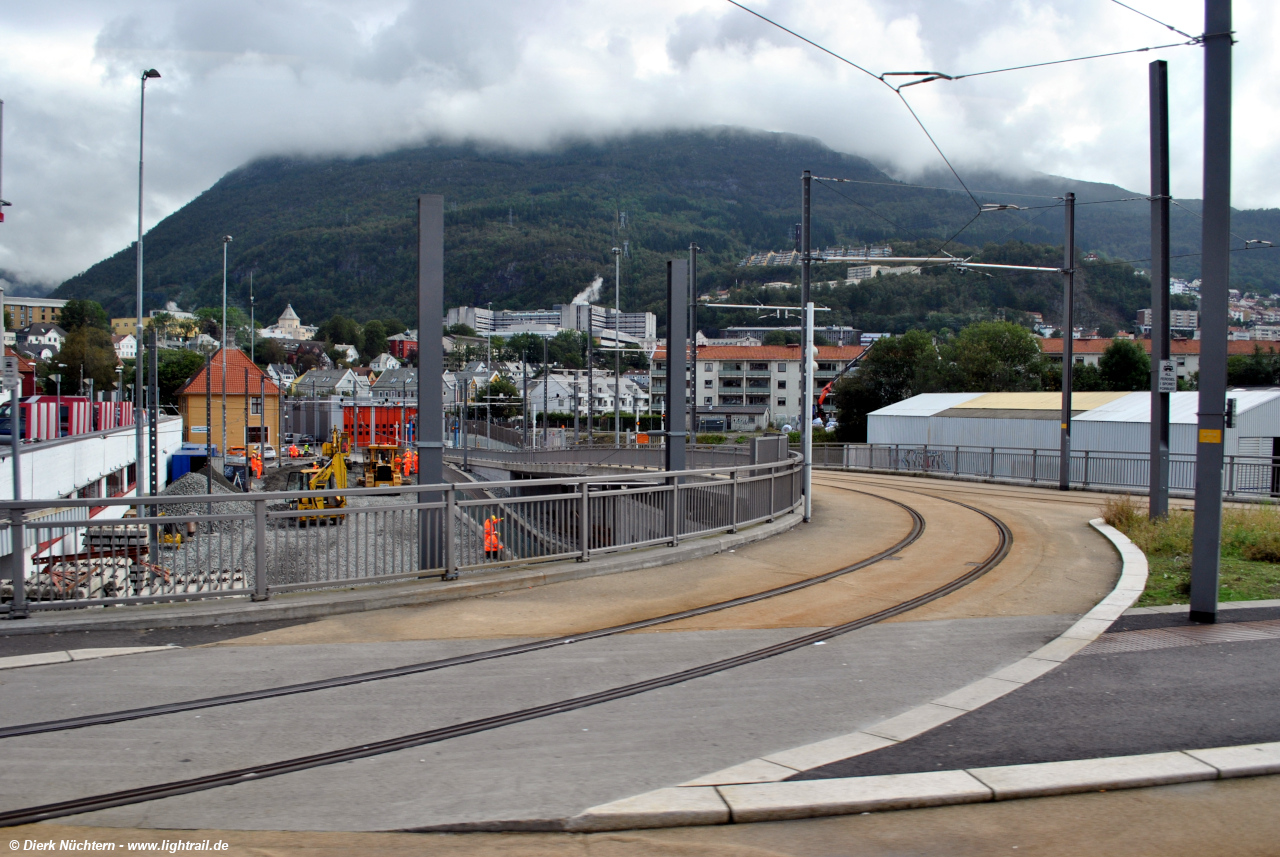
x,y
404,462
492,543
255,464
293,450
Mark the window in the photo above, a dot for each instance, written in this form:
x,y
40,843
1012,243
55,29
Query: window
x,y
710,367
707,383
782,383
782,367
255,405
758,367
706,400
782,401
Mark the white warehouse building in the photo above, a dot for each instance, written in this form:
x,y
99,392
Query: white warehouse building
x,y
1007,427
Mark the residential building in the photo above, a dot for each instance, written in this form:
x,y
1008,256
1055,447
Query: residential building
x,y
288,326
858,273
42,334
127,324
1179,319
762,376
253,402
126,346
282,374
349,353
25,311
544,322
398,383
403,346
383,362
331,382
833,334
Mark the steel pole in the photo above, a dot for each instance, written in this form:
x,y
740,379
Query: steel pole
x,y
225,242
1215,274
1068,350
677,357
591,377
137,360
809,365
1158,81
546,396
806,407
430,429
617,353
693,339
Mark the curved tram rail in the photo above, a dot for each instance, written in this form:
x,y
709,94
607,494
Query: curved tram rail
x,y
28,815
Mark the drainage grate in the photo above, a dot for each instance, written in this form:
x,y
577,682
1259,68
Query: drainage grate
x,y
1187,635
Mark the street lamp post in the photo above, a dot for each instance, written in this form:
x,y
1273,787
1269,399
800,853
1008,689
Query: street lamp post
x,y
617,353
226,239
149,74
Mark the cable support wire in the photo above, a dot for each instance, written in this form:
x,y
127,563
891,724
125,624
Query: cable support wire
x,y
1156,20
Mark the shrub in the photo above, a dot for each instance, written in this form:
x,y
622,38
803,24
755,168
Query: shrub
x,y
711,438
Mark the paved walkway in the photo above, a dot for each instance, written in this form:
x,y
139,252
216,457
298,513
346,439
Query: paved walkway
x,y
549,769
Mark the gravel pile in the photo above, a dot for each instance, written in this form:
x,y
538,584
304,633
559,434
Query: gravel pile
x,y
196,484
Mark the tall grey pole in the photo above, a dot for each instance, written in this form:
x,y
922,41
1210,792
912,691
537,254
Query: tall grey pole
x,y
546,399
430,429
137,368
1158,80
153,424
524,396
693,337
591,376
617,345
806,239
1215,274
677,357
225,241
15,413
575,407
208,426
811,367
1068,344
253,331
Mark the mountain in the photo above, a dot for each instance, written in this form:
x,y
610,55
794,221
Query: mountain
x,y
529,229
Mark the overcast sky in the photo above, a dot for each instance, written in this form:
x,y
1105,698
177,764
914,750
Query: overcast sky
x,y
245,78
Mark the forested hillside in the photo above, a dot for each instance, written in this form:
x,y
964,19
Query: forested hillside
x,y
528,230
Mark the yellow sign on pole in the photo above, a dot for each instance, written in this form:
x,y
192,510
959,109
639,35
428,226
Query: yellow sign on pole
x,y
1210,435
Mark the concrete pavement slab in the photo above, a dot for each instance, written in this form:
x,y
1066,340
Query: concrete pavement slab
x,y
1249,760
777,801
1121,772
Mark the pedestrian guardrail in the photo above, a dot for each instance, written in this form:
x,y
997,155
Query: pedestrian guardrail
x,y
1243,476
181,548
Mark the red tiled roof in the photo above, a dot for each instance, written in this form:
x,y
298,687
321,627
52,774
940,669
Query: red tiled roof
x,y
237,363
1177,346
768,352
24,365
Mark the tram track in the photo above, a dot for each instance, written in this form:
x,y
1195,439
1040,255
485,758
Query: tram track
x,y
157,791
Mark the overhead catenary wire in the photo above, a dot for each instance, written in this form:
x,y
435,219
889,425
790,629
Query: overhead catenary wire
x,y
1156,20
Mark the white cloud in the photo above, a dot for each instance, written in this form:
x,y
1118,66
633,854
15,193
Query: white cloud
x,y
244,78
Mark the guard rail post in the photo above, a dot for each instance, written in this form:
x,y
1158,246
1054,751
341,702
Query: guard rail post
x,y
584,524
675,513
733,501
1086,468
1231,475
773,481
991,471
17,564
446,534
259,551
1035,464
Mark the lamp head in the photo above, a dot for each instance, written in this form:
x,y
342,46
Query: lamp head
x,y
226,239
151,74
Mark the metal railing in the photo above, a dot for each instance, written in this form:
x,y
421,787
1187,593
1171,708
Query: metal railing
x,y
1243,476
180,548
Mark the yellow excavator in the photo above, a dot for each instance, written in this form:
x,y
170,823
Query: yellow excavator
x,y
332,475
380,469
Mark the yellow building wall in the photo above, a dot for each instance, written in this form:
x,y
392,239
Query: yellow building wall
x,y
193,415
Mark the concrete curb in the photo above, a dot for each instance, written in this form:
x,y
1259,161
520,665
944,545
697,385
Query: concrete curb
x,y
42,658
358,599
754,791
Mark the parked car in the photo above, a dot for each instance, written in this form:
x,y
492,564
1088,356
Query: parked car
x,y
268,451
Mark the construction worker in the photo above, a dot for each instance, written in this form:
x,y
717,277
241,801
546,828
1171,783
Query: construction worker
x,y
492,543
403,463
306,449
293,450
255,462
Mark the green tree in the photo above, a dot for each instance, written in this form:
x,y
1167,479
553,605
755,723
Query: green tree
x,y
896,368
87,353
458,330
1259,369
1086,378
393,326
781,337
339,329
994,356
77,314
498,394
373,339
269,351
524,345
1125,366
568,349
176,366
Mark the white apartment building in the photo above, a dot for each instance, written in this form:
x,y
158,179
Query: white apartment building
x,y
640,325
762,376
1179,319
